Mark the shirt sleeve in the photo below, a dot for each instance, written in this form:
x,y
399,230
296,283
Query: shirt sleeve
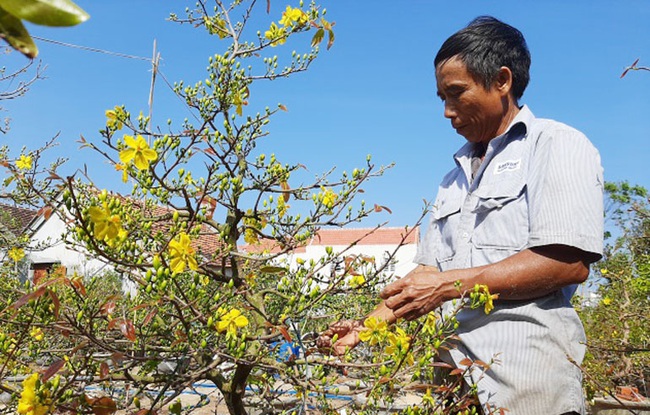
x,y
565,191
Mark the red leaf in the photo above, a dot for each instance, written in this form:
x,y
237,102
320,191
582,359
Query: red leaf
x,y
282,107
53,369
46,211
102,406
117,358
456,372
104,370
268,6
441,364
55,302
113,323
26,298
108,307
285,333
465,362
630,67
78,285
149,316
127,329
379,208
384,379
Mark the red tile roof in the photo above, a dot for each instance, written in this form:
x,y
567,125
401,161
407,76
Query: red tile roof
x,y
16,218
345,237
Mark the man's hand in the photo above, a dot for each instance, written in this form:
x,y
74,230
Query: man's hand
x,y
347,334
419,292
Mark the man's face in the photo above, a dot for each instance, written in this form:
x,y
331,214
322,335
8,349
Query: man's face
x,y
475,113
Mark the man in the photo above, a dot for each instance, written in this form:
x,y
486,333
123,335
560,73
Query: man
x,y
521,213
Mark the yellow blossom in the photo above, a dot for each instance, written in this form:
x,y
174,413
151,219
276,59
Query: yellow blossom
x,y
30,402
24,162
231,321
106,225
293,15
429,326
138,151
113,118
181,254
277,35
607,301
481,296
282,207
37,333
327,197
399,345
375,330
357,280
16,254
124,170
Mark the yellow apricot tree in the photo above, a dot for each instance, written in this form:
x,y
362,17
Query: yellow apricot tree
x,y
197,306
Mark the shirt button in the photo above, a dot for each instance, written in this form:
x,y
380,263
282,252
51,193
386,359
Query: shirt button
x,y
465,235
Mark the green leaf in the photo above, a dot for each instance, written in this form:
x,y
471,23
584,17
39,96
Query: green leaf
x,y
46,12
330,41
273,270
318,37
13,31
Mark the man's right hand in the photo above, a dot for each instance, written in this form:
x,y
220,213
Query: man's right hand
x,y
347,335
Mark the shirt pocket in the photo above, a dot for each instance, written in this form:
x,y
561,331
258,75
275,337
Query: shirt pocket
x,y
501,216
445,223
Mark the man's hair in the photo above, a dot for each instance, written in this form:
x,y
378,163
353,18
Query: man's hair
x,y
484,46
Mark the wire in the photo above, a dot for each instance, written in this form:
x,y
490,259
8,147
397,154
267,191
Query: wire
x,y
107,52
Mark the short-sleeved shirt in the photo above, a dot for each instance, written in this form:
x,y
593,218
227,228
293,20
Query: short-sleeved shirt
x,y
540,183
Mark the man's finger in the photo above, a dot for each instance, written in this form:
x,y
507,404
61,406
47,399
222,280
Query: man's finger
x,y
392,290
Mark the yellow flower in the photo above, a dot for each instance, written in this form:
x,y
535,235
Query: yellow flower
x,y
375,330
357,280
277,35
138,151
30,403
182,254
293,15
16,254
24,162
106,225
399,345
37,333
113,118
282,207
607,301
327,197
429,326
481,296
231,321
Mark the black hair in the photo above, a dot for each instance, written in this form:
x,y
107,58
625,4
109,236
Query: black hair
x,y
484,46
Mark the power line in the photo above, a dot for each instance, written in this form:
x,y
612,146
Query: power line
x,y
89,49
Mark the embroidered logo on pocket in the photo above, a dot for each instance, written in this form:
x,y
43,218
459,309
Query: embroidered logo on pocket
x,y
509,165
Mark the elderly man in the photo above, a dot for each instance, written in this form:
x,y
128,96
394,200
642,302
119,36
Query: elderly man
x,y
522,213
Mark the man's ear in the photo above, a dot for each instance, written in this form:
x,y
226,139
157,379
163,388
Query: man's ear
x,y
504,80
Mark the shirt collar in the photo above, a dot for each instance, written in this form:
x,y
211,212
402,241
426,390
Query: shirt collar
x,y
525,118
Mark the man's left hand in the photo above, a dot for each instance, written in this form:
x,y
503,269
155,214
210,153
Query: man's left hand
x,y
419,292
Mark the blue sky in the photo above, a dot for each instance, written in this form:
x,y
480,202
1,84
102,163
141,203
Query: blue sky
x,y
373,92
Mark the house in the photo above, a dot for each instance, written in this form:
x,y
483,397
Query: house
x,y
47,248
376,247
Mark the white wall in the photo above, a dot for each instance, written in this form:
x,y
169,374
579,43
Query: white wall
x,y
50,234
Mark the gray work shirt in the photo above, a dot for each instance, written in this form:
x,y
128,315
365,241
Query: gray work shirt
x,y
540,183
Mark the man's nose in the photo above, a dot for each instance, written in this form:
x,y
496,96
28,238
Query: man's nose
x,y
450,111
